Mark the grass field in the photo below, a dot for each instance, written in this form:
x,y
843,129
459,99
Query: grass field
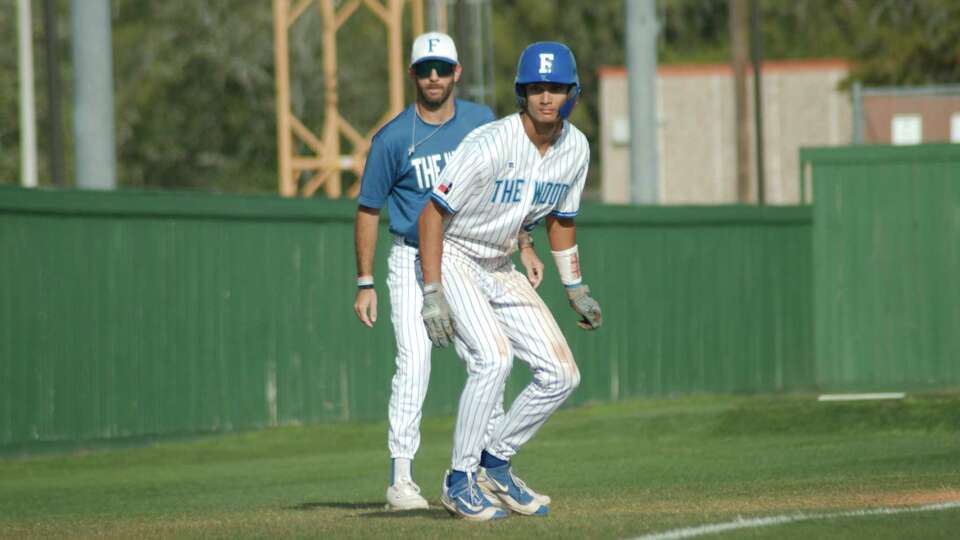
x,y
614,471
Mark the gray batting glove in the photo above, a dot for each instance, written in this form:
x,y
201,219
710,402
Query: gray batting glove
x,y
436,315
586,307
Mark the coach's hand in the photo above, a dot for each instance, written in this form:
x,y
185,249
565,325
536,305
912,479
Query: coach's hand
x,y
365,306
586,307
436,315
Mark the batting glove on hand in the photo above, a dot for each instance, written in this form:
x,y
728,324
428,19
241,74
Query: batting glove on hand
x,y
436,315
586,307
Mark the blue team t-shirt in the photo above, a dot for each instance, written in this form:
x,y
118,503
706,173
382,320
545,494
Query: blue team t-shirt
x,y
402,180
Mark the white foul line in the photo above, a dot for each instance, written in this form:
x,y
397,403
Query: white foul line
x,y
861,397
740,523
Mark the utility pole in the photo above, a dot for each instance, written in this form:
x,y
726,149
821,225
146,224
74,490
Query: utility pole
x,y
53,92
642,92
738,41
437,16
473,21
28,132
93,94
756,57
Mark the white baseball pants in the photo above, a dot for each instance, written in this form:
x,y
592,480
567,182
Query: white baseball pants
x,y
496,314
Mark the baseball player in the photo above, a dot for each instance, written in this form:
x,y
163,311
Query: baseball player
x,y
405,161
506,176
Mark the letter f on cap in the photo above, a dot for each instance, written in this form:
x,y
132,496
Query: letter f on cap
x,y
433,46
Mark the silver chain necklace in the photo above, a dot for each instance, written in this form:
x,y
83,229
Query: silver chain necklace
x,y
413,132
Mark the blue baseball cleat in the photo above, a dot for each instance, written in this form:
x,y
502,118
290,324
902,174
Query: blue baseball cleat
x,y
464,499
512,492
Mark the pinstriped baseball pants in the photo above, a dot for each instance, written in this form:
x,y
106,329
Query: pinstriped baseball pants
x,y
412,375
497,314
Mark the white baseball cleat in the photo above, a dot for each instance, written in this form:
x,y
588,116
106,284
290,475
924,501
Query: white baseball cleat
x,y
405,495
500,483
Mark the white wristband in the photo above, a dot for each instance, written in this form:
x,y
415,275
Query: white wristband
x,y
365,282
568,264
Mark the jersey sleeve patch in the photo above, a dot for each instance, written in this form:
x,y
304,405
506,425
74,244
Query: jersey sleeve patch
x,y
442,202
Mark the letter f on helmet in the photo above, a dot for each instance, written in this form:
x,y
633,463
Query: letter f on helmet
x,y
547,61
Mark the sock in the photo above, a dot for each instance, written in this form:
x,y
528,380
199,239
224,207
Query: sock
x,y
400,468
489,461
455,476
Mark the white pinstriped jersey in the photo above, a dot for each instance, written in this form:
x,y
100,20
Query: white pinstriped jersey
x,y
497,182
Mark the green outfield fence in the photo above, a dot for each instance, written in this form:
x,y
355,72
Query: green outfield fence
x,y
128,314
887,273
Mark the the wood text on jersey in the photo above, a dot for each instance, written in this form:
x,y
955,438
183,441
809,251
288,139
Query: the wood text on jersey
x,y
511,191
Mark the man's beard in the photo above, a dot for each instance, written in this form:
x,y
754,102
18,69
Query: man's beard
x,y
433,104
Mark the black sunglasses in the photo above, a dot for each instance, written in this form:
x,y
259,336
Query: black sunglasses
x,y
423,69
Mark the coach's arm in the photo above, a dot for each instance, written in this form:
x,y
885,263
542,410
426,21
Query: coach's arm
x,y
365,242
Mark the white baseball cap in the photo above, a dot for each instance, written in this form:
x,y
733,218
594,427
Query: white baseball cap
x,y
433,46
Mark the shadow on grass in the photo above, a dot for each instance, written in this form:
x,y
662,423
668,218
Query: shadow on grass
x,y
337,506
434,512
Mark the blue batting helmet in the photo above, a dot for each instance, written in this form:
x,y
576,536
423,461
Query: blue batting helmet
x,y
547,61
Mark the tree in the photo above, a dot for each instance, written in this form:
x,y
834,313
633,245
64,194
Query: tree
x,y
194,87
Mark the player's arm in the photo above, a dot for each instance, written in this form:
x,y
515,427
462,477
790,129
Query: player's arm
x,y
436,311
528,256
465,165
365,242
444,200
431,241
562,233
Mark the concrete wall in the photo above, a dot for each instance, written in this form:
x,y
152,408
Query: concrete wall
x,y
801,107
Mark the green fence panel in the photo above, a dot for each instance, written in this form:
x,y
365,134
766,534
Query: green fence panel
x,y
887,251
127,314
695,299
